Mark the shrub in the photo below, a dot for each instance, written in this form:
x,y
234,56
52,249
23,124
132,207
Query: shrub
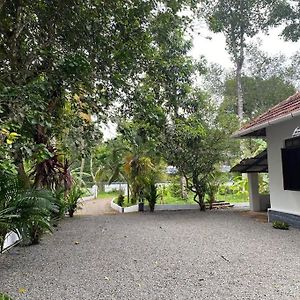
x,y
152,196
175,188
72,199
120,200
60,203
24,211
280,225
35,208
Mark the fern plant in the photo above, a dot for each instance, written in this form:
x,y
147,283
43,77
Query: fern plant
x,y
26,212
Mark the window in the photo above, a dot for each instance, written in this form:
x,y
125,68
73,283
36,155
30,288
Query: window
x,y
291,164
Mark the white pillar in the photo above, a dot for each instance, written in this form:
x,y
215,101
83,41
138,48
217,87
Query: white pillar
x,y
254,192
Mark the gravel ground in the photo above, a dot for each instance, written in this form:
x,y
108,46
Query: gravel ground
x,y
166,255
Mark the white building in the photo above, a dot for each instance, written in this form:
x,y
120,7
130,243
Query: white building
x,y
279,126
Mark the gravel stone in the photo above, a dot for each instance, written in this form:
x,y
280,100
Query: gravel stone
x,y
213,255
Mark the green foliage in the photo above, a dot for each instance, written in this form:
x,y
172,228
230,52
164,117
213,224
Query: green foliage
x,y
280,225
35,208
9,217
60,203
287,13
259,94
74,195
53,80
152,196
195,144
175,188
24,211
237,186
5,297
215,179
238,20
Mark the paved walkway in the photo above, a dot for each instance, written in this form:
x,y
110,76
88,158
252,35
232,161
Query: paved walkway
x,y
212,255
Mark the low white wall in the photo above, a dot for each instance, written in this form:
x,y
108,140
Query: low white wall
x,y
11,239
133,208
116,207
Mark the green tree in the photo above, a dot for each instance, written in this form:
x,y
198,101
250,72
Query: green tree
x,y
196,144
287,13
64,60
238,20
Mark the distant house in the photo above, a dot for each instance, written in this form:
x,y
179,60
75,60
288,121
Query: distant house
x,y
280,127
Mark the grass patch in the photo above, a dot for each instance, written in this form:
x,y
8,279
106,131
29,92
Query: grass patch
x,y
105,195
169,199
233,198
280,225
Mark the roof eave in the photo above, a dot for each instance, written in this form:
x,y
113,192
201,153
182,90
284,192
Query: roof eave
x,y
247,131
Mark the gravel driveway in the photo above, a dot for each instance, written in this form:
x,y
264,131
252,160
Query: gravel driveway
x,y
165,255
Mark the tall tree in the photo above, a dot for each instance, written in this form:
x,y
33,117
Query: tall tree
x,y
76,58
238,20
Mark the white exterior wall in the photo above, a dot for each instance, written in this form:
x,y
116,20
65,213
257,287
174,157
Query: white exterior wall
x,y
281,200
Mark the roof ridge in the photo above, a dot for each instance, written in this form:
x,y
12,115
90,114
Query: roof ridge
x,y
274,108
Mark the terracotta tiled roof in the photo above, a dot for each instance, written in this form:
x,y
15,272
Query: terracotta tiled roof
x,y
277,113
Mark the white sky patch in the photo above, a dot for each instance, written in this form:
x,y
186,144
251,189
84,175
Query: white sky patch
x,y
213,45
109,131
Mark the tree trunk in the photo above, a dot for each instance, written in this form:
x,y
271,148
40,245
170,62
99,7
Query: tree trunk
x,y
200,201
239,92
184,194
128,193
101,186
81,169
202,204
91,170
22,176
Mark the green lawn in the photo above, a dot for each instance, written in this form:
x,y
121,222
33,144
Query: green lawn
x,y
168,199
232,198
105,195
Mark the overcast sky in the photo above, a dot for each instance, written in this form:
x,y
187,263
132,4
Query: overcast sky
x,y
214,49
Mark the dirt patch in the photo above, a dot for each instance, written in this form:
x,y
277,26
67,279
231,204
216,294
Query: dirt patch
x,y
258,216
96,207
